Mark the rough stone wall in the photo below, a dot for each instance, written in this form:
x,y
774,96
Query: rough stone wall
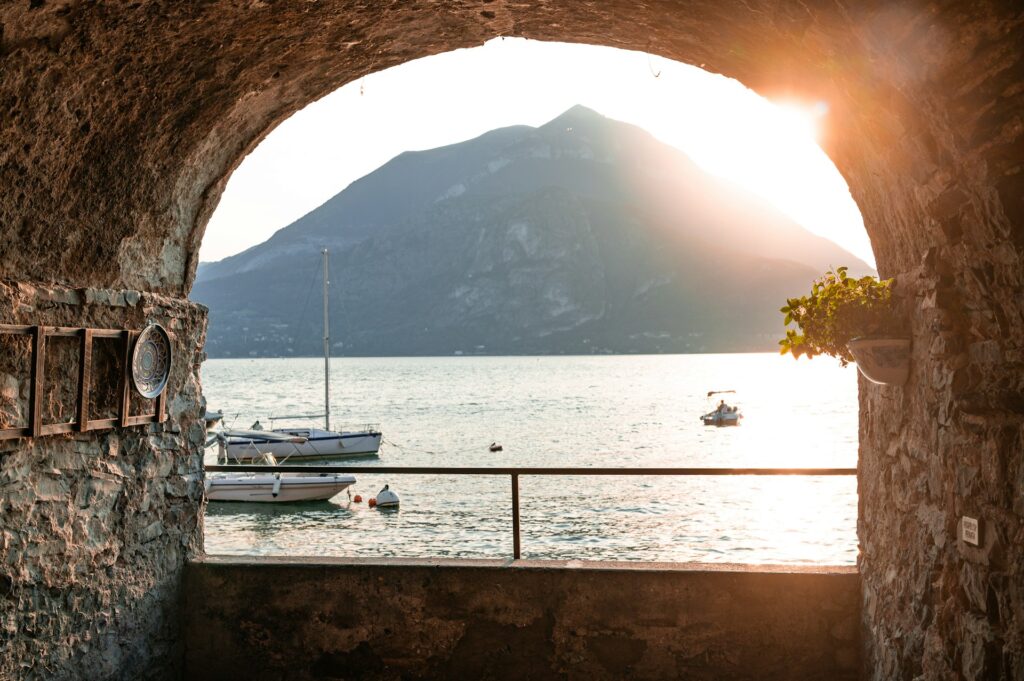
x,y
383,621
95,528
950,442
120,123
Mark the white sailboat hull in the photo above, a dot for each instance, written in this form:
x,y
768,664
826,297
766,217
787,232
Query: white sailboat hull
x,y
276,487
320,444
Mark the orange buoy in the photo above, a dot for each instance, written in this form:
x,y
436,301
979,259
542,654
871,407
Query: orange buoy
x,y
358,499
373,502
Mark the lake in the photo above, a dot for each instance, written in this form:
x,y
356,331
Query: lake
x,y
625,411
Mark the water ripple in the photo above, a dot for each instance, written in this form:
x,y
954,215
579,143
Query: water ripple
x,y
562,411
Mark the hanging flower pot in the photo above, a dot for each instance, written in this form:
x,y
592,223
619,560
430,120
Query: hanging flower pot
x,y
882,360
854,320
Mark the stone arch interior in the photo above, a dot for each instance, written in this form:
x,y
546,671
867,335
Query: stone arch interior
x,y
122,124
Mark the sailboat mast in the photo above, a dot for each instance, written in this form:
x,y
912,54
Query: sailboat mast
x,y
327,352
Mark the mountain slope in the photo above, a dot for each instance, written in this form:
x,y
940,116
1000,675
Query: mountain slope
x,y
582,235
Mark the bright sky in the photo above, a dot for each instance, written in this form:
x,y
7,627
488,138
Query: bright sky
x,y
769,148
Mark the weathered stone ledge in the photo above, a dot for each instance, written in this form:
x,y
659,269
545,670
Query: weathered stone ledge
x,y
368,618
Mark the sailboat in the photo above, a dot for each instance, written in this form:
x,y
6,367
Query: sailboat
x,y
320,443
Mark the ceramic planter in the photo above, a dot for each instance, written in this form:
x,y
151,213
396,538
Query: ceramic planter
x,y
882,360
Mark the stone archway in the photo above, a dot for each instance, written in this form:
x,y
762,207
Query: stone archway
x,y
121,124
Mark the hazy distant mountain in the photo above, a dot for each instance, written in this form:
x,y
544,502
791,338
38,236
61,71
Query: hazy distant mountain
x,y
583,235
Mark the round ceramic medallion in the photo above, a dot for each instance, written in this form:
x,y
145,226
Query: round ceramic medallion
x,y
151,361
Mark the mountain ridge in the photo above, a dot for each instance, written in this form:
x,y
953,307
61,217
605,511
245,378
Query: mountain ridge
x,y
580,235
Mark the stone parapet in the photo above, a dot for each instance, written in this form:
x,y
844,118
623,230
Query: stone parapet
x,y
304,618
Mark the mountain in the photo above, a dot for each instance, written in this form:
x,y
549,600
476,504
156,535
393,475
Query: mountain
x,y
582,235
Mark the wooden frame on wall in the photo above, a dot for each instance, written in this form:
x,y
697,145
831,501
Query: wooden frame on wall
x,y
82,422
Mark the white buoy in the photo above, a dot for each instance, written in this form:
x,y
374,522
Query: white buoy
x,y
387,498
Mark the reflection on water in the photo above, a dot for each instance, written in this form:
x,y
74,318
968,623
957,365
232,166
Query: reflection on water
x,y
628,411
297,508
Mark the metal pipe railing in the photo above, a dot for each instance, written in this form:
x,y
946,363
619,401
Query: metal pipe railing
x,y
523,470
515,472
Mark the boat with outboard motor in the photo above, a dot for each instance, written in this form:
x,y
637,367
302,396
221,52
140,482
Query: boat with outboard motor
x,y
723,414
271,486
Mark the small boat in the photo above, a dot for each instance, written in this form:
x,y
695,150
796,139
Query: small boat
x,y
317,444
723,414
276,487
271,486
320,443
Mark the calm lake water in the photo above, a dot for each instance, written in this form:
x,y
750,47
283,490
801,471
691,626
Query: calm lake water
x,y
627,411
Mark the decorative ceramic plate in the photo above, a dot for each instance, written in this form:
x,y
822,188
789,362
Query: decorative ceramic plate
x,y
151,361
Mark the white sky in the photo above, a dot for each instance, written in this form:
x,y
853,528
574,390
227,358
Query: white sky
x,y
726,128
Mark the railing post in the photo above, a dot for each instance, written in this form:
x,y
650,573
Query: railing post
x,y
515,516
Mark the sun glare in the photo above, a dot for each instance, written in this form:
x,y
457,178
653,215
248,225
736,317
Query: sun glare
x,y
799,121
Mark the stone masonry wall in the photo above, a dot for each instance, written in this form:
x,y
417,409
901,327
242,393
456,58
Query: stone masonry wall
x,y
950,443
365,620
95,528
934,606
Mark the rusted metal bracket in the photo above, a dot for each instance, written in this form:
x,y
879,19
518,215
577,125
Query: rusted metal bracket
x,y
82,422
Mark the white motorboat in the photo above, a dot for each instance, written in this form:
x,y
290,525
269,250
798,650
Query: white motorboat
x,y
723,414
276,487
321,443
271,486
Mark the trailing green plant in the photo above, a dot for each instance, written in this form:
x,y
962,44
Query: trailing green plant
x,y
839,309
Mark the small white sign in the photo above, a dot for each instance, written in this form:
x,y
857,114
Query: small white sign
x,y
969,530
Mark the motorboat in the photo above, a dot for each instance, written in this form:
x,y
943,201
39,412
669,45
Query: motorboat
x,y
271,486
320,443
276,487
730,417
723,414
